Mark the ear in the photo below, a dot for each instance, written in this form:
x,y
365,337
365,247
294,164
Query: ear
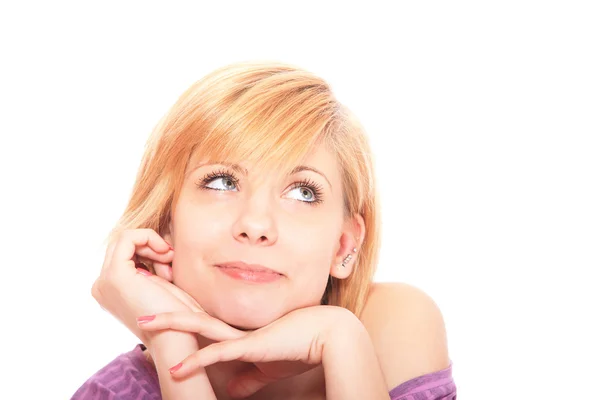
x,y
353,235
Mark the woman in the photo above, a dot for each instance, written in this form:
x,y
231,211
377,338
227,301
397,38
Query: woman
x,y
256,217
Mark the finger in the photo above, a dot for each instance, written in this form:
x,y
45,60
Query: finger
x,y
247,383
130,240
236,349
164,278
148,263
109,255
148,253
160,269
199,322
164,271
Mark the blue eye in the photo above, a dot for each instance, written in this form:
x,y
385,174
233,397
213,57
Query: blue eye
x,y
226,182
305,193
310,192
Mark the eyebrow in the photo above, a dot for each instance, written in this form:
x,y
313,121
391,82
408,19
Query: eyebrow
x,y
237,168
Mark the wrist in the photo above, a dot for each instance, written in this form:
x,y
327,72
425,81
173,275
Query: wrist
x,y
172,344
168,348
345,332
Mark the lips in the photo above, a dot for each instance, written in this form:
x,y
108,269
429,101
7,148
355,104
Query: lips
x,y
256,268
249,273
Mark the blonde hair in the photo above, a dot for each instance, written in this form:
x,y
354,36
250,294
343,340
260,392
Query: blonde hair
x,y
269,114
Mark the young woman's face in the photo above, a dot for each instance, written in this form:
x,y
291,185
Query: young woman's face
x,y
291,227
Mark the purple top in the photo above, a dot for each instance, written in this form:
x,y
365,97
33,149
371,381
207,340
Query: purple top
x,y
131,376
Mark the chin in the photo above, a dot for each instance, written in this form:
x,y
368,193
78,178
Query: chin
x,y
245,320
246,311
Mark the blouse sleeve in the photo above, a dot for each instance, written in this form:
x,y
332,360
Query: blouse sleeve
x,y
93,390
119,389
126,377
435,386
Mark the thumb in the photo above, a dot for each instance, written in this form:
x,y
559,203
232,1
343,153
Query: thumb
x,y
247,383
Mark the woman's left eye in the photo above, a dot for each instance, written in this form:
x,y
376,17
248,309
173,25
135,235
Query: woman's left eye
x,y
309,192
305,193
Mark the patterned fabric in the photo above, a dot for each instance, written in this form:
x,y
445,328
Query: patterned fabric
x,y
131,376
435,386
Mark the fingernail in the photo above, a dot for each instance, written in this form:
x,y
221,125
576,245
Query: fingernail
x,y
145,318
144,272
175,368
169,244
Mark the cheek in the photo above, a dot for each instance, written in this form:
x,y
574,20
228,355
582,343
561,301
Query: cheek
x,y
316,235
314,249
197,233
198,222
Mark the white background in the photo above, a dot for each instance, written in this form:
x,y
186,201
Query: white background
x,y
484,118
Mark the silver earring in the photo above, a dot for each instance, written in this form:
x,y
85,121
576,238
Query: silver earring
x,y
346,260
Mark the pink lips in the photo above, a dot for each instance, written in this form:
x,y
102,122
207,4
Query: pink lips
x,y
249,272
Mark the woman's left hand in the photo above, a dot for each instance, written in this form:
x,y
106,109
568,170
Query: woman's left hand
x,y
288,346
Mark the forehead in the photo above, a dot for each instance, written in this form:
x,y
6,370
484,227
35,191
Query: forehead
x,y
319,157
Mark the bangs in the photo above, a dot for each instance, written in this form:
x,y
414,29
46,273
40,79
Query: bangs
x,y
272,125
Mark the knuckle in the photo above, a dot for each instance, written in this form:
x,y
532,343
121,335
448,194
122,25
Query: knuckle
x,y
94,290
131,234
147,232
195,358
200,316
97,290
111,246
126,232
168,320
109,276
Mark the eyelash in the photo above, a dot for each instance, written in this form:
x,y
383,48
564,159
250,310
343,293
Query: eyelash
x,y
314,187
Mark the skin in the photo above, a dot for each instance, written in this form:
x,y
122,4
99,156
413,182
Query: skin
x,y
261,221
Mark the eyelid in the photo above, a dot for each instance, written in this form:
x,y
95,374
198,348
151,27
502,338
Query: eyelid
x,y
219,173
314,187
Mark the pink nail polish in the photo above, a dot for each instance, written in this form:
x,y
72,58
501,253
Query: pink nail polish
x,y
175,368
146,318
144,272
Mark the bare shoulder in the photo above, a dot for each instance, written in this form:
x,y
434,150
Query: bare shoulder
x,y
407,330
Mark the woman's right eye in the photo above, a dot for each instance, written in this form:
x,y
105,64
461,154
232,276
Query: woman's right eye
x,y
224,183
220,179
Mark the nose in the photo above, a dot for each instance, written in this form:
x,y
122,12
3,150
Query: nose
x,y
256,224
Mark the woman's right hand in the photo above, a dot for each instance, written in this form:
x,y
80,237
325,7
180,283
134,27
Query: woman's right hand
x,y
126,293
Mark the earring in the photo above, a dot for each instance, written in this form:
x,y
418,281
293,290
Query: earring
x,y
347,259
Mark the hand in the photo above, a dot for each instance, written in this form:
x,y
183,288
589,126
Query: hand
x,y
288,346
127,294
